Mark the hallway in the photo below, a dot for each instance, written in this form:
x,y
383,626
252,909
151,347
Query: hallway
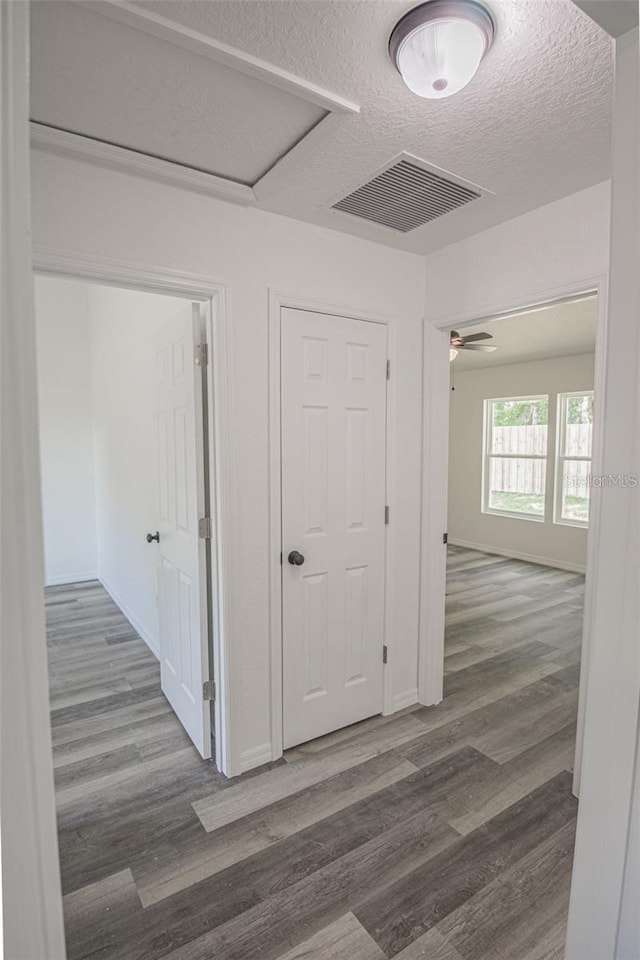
x,y
442,832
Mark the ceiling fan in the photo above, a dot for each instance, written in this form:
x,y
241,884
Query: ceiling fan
x,y
458,343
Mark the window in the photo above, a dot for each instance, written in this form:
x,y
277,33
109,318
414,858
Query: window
x,y
515,464
573,463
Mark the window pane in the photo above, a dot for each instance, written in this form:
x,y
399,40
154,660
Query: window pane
x,y
575,490
519,426
578,426
517,485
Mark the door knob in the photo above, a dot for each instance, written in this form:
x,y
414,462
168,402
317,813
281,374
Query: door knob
x,y
153,536
295,559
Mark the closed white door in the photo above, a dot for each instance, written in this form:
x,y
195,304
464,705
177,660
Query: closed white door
x,y
182,597
333,377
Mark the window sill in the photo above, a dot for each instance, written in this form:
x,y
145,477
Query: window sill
x,y
580,524
512,516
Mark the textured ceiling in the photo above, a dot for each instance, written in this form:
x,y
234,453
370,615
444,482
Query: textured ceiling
x,y
533,125
95,76
553,331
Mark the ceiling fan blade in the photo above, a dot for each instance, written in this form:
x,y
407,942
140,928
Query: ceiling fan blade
x,y
478,336
478,346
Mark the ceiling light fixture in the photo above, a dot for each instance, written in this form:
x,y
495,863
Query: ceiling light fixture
x,y
453,353
437,47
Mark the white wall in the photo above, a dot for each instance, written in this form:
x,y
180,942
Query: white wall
x,y
544,542
628,945
31,894
544,250
83,208
613,681
66,433
122,326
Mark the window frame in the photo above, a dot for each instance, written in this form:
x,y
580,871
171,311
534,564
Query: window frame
x,y
488,456
561,458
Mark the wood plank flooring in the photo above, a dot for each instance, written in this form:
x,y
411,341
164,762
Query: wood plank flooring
x,y
442,833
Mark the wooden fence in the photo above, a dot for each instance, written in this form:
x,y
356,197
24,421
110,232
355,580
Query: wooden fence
x,y
522,475
518,476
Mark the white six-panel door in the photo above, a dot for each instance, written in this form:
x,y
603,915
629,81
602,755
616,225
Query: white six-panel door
x,y
333,403
182,568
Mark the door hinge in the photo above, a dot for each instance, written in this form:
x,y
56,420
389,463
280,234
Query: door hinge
x,y
205,528
208,690
445,538
386,515
384,653
388,369
201,355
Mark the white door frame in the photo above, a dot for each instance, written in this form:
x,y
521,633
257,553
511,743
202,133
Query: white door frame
x,y
154,279
435,480
277,301
32,899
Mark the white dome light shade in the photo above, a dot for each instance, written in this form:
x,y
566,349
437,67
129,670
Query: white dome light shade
x,y
438,46
441,58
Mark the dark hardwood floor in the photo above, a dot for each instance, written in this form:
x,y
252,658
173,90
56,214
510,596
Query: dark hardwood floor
x,y
442,833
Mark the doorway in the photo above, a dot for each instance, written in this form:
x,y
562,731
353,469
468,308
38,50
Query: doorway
x,y
523,432
125,473
333,417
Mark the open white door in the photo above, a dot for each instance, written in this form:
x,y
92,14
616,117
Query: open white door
x,y
334,389
182,587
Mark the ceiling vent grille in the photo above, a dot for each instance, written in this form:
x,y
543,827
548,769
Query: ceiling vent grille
x,y
406,196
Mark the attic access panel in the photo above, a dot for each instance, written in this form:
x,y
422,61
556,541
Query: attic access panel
x,y
406,195
119,84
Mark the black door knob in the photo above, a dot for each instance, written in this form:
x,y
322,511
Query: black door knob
x,y
295,559
153,536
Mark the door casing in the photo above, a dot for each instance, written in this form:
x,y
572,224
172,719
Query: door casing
x,y
435,479
277,301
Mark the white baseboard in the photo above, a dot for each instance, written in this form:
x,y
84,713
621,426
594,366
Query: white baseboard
x,y
514,555
405,699
256,756
137,626
63,578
